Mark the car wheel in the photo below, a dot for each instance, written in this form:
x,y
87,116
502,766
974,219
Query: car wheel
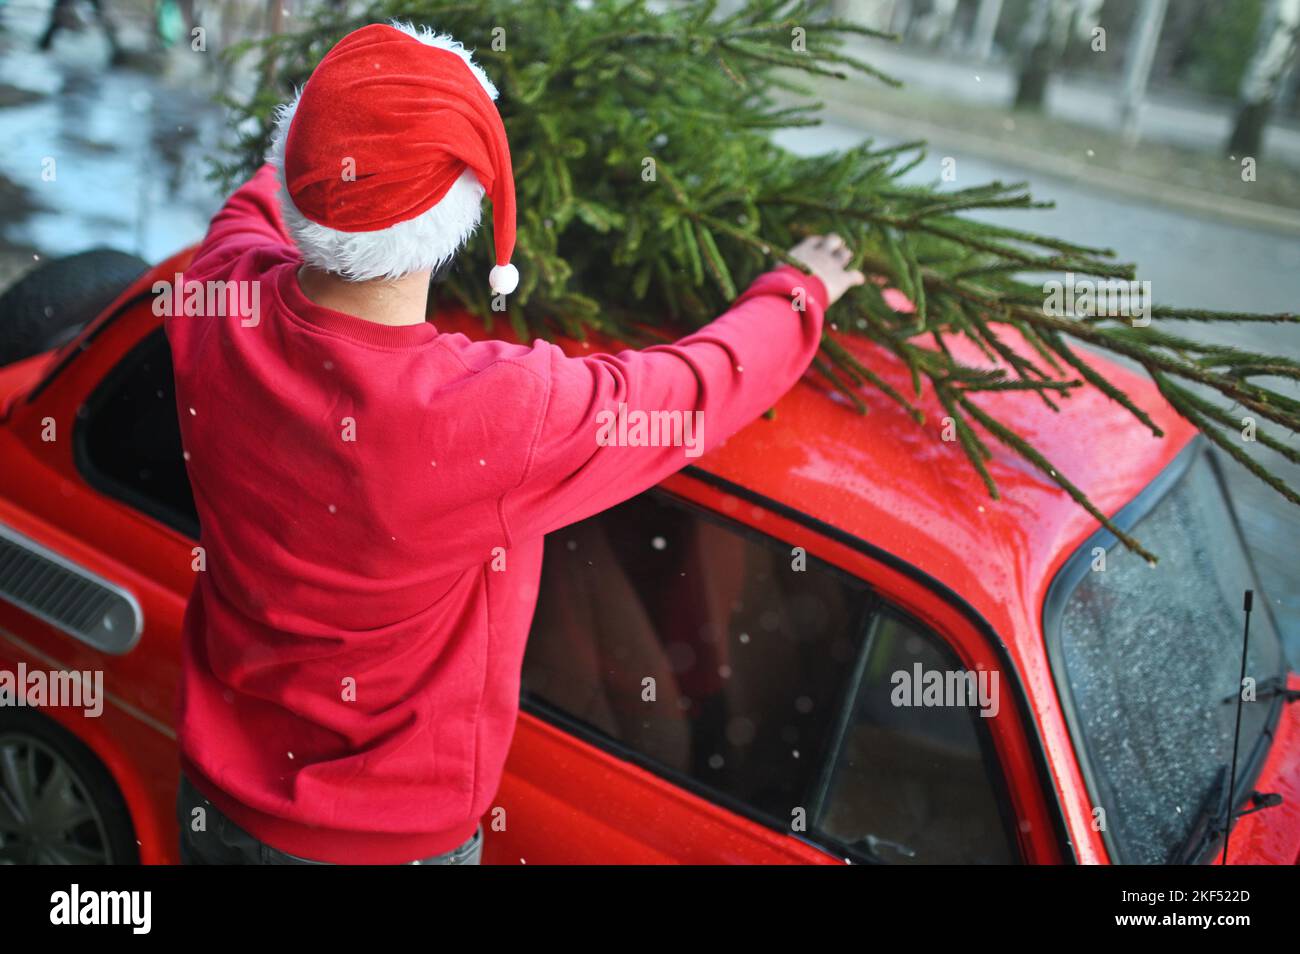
x,y
58,804
51,303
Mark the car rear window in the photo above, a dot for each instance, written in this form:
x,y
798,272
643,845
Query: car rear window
x,y
1148,659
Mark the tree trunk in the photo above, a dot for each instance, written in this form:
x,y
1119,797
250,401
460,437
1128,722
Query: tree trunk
x,y
1031,92
1274,51
1041,44
1140,56
900,20
985,28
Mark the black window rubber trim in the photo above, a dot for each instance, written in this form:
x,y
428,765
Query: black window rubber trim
x,y
80,343
1062,588
168,517
549,713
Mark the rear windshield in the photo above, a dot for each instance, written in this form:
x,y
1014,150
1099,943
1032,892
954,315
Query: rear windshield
x,y
1147,661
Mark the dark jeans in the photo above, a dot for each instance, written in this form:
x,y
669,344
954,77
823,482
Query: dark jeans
x,y
225,843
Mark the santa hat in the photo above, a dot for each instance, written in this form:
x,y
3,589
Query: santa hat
x,y
386,153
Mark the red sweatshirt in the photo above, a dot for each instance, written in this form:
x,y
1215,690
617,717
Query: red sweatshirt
x,y
351,657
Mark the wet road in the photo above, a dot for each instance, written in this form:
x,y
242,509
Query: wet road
x,y
102,157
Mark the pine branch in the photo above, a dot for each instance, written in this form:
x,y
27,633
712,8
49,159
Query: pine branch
x,y
1025,450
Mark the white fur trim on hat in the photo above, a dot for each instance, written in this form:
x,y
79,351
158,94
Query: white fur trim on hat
x,y
419,244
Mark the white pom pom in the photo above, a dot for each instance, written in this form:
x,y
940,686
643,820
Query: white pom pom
x,y
503,279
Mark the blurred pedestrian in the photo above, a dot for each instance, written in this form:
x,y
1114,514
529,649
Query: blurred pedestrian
x,y
65,16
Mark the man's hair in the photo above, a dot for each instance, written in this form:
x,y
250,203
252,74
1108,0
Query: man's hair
x,y
425,242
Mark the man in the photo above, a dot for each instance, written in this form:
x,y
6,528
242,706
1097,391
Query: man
x,y
373,493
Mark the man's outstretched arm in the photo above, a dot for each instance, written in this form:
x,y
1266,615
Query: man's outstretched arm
x,y
698,391
251,217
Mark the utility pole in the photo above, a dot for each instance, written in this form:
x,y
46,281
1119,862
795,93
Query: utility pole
x,y
1141,56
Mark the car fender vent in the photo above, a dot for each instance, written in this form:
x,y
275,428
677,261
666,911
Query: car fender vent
x,y
68,597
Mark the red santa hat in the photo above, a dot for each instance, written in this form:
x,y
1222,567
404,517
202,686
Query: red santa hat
x,y
386,153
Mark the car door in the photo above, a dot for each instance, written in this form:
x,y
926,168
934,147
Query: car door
x,y
698,691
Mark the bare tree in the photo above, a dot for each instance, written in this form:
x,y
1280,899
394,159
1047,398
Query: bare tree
x,y
1041,44
1048,30
1138,61
1275,52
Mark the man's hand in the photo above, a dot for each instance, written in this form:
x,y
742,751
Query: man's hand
x,y
827,256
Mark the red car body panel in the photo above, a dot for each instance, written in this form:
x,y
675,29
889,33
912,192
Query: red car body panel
x,y
875,494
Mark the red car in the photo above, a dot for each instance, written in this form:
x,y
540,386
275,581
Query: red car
x,y
793,598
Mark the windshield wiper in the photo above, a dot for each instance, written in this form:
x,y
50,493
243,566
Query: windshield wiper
x,y
1218,803
1206,827
1273,686
1209,824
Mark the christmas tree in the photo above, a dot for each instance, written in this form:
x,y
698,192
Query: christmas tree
x,y
649,185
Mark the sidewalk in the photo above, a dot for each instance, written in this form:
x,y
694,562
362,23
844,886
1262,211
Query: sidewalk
x,y
1170,117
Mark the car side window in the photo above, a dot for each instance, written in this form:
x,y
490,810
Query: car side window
x,y
695,645
913,779
128,441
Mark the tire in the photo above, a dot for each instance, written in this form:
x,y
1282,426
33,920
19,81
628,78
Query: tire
x,y
50,304
47,761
